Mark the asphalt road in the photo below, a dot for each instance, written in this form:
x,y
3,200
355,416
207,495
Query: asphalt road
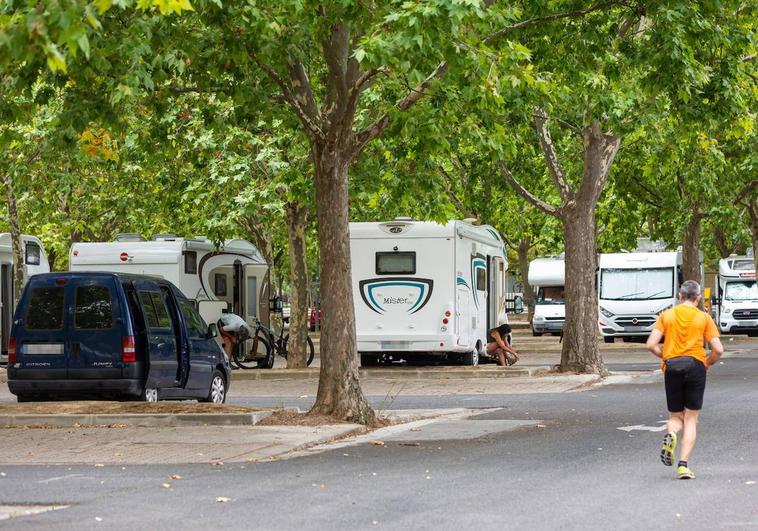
x,y
570,467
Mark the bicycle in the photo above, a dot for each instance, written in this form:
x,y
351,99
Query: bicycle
x,y
264,345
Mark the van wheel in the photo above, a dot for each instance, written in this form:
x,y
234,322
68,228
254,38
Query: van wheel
x,y
149,394
536,334
608,339
470,358
25,398
217,391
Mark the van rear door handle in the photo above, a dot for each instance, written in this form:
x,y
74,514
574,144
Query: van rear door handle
x,y
75,347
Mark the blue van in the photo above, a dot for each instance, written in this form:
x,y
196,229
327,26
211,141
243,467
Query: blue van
x,y
80,334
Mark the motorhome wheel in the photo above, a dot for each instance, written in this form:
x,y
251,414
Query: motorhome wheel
x,y
471,358
149,395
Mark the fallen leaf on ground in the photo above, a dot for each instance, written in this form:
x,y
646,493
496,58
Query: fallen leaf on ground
x,y
176,476
98,519
322,485
415,429
541,426
223,499
166,485
99,465
117,454
217,463
377,443
750,483
410,444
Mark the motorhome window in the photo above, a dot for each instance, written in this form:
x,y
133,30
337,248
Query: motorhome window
x,y
396,263
93,308
45,310
741,291
637,284
33,254
219,284
190,262
195,326
481,279
743,265
252,296
550,295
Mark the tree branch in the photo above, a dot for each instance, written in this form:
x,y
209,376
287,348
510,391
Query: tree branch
x,y
551,157
448,184
523,192
745,191
556,16
372,131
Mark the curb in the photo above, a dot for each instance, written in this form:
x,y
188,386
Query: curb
x,y
400,373
165,420
3,376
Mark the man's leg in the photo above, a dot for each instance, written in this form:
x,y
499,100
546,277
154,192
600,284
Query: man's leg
x,y
690,433
675,422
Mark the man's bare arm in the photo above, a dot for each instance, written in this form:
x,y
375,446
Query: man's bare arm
x,y
654,342
717,349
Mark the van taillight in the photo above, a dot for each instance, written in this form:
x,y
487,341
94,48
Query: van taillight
x,y
12,351
128,352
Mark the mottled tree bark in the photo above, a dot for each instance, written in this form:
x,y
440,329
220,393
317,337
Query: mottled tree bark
x,y
691,248
723,245
579,351
524,246
17,242
752,208
297,223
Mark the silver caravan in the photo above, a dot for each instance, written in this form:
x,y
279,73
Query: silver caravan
x,y
425,289
230,277
35,261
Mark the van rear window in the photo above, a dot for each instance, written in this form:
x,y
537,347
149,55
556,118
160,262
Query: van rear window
x,y
155,310
396,263
45,310
93,308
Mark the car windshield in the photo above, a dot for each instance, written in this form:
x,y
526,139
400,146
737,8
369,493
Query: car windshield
x,y
637,284
741,291
550,295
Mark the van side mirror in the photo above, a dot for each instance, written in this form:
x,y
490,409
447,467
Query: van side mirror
x,y
715,301
518,305
212,331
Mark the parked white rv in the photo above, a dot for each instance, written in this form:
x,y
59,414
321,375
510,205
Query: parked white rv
x,y
228,278
634,288
548,278
425,289
738,294
35,261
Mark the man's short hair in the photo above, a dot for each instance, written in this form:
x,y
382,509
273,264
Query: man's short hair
x,y
689,290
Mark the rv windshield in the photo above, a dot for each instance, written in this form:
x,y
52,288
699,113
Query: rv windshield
x,y
637,284
550,295
741,291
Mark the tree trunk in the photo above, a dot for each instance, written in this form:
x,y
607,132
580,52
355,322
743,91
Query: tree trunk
x,y
339,391
580,351
753,211
721,240
523,261
17,241
691,248
297,222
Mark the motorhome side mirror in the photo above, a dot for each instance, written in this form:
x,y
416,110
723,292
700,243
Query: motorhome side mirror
x,y
518,305
212,331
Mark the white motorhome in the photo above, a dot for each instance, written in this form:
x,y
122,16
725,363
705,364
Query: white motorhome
x,y
738,294
548,278
35,261
425,289
230,277
634,288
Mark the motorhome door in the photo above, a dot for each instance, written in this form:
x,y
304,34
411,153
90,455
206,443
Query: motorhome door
x,y
249,295
496,287
6,305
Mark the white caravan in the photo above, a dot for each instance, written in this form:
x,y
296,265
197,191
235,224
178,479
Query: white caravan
x,y
738,294
634,288
425,289
548,278
35,261
228,278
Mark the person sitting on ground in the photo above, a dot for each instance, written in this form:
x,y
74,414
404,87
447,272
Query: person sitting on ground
x,y
498,346
233,330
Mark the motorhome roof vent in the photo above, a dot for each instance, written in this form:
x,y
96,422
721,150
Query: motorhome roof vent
x,y
129,237
646,245
749,252
164,237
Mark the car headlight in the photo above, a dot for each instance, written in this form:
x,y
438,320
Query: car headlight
x,y
606,312
726,311
539,318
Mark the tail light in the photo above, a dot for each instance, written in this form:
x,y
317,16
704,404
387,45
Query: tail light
x,y
11,351
128,351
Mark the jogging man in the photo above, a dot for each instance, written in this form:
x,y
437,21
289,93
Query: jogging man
x,y
684,362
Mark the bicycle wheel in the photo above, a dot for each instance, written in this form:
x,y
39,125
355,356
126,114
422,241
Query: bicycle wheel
x,y
311,349
259,354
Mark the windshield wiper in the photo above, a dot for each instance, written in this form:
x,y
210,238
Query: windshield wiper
x,y
631,294
655,294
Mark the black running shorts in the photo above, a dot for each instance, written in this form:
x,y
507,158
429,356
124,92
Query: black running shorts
x,y
685,384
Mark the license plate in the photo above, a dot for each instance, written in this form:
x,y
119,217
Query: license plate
x,y
395,345
42,349
746,324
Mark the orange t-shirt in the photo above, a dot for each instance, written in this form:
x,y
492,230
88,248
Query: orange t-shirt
x,y
685,328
